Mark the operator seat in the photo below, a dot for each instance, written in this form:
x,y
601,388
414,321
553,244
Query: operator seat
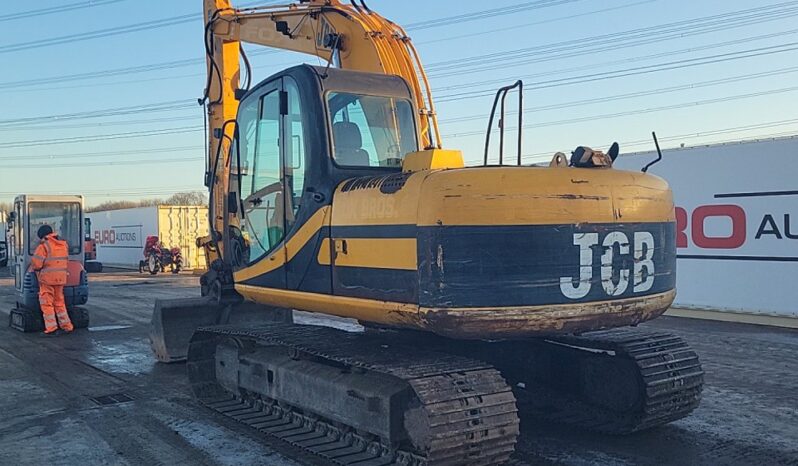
x,y
347,143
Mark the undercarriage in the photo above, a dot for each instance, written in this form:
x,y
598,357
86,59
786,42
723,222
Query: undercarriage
x,y
403,397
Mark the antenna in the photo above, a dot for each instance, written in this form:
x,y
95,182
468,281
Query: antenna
x,y
659,153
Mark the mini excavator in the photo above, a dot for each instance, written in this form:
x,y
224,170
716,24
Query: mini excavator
x,y
488,293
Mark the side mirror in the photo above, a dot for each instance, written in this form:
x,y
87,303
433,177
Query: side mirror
x,y
12,216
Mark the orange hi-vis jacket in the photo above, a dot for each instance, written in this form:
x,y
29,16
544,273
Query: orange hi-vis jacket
x,y
50,259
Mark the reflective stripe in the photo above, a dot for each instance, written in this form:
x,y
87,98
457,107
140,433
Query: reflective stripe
x,y
41,258
59,258
54,269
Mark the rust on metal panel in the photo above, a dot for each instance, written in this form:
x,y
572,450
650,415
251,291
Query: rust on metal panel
x,y
478,323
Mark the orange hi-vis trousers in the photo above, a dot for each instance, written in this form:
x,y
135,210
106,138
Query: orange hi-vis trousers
x,y
51,300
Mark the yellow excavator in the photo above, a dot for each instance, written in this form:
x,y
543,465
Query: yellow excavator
x,y
488,294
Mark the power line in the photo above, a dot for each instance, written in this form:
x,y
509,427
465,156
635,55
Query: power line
x,y
186,62
102,137
639,111
119,71
591,45
159,162
678,64
695,135
482,14
667,66
592,67
575,45
100,124
438,22
181,19
148,108
661,90
57,9
461,96
677,26
115,153
471,35
160,78
101,33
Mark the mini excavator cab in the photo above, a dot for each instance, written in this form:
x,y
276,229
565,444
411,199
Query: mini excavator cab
x,y
65,215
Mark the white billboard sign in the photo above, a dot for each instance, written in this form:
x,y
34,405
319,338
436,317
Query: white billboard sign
x,y
737,223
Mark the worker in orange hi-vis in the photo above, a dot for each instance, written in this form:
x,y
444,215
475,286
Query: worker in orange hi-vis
x,y
50,262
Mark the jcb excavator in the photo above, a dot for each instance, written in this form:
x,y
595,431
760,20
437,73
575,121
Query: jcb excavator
x,y
488,293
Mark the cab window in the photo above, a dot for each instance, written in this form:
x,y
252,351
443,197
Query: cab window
x,y
371,131
63,218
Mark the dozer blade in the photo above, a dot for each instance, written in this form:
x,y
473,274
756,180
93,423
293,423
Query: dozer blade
x,y
174,321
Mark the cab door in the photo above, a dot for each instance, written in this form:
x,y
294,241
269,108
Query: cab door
x,y
275,178
263,215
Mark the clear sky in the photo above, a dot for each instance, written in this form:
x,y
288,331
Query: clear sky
x,y
596,72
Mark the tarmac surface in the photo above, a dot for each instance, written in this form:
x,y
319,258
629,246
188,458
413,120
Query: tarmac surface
x,y
52,391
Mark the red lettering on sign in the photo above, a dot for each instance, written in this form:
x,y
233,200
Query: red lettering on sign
x,y
734,240
107,237
681,225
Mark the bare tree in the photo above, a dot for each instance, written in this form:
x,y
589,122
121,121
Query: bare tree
x,y
188,198
192,198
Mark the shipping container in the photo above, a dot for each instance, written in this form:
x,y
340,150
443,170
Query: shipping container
x,y
737,223
121,234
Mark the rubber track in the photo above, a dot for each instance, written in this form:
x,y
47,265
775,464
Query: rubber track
x,y
471,411
670,380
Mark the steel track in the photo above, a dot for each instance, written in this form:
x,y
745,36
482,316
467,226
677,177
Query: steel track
x,y
667,385
471,416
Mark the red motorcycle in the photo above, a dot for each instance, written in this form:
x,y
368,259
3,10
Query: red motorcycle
x,y
157,257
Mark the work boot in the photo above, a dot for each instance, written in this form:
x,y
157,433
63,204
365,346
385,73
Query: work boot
x,y
51,334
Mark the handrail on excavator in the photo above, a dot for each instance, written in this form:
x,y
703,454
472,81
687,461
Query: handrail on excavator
x,y
501,95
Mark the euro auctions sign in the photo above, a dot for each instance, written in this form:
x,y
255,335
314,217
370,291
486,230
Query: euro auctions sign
x,y
119,236
737,223
744,230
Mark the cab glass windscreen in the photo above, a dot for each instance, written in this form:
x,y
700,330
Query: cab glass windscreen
x,y
371,131
63,218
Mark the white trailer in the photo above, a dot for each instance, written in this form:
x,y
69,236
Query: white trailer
x,y
120,234
737,216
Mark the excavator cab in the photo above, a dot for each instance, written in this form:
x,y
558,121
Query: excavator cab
x,y
299,135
